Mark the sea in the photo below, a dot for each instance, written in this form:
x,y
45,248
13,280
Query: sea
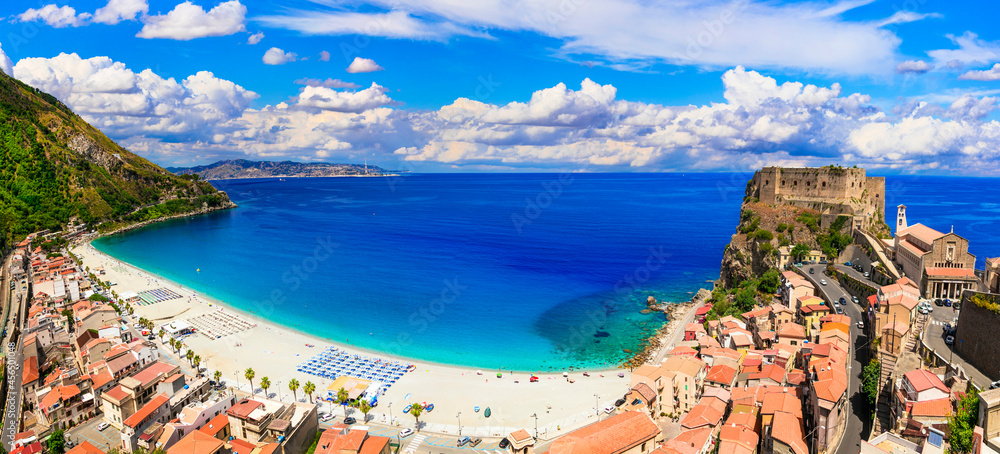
x,y
529,272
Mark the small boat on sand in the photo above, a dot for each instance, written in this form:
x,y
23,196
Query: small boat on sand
x,y
476,409
407,409
487,412
430,407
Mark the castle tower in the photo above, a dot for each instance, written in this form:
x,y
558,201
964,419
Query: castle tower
x,y
900,217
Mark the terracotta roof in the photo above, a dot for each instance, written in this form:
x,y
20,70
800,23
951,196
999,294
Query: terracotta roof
x,y
832,388
116,393
787,428
519,436
936,407
719,352
792,330
687,442
216,424
898,327
752,394
696,327
922,380
151,407
721,374
924,233
613,435
905,300
241,446
737,440
745,419
645,391
771,371
796,377
153,372
686,365
373,445
683,350
196,442
102,378
30,372
781,402
707,342
835,318
951,272
243,409
85,448
702,415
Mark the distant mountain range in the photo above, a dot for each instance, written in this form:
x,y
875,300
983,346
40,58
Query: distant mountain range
x,y
242,168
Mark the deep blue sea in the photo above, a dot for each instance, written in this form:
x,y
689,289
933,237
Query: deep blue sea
x,y
519,271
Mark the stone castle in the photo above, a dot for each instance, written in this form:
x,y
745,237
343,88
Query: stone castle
x,y
833,191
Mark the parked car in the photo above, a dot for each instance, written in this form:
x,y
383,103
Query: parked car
x,y
326,417
475,441
812,270
405,432
609,409
855,299
103,425
939,302
461,441
947,327
842,301
949,340
840,310
861,324
349,420
620,402
867,274
504,443
995,385
822,281
847,263
947,303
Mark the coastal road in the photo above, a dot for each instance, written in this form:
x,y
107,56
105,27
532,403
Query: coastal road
x,y
859,424
13,360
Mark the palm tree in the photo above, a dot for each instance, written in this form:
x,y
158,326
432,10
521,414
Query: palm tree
x,y
173,344
293,385
161,333
217,375
309,389
415,411
197,361
249,374
264,384
189,355
365,407
342,396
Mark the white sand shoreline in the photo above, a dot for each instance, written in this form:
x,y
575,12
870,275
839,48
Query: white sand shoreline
x,y
275,351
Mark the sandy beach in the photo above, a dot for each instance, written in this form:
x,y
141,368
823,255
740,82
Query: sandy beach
x,y
275,351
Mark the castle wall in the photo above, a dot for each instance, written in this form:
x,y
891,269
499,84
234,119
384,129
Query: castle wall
x,y
975,340
830,190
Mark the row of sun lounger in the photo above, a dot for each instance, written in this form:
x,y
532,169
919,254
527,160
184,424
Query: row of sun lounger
x,y
219,323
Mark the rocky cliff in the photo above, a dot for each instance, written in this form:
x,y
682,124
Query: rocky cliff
x,y
764,228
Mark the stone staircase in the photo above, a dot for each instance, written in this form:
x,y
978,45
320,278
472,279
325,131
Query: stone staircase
x,y
883,422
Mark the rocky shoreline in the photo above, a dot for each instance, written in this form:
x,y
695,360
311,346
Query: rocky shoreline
x,y
675,313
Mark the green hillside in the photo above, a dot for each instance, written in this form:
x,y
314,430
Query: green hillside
x,y
54,166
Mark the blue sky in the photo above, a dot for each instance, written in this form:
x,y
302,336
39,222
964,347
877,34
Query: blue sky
x,y
590,85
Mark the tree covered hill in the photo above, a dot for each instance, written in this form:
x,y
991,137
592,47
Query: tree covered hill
x,y
54,166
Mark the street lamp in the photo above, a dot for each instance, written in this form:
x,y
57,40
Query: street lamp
x,y
597,403
390,413
459,423
279,390
535,415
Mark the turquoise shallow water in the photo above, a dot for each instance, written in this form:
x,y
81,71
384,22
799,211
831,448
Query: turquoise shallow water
x,y
524,272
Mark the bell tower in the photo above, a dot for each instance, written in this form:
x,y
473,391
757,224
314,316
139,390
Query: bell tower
x,y
900,218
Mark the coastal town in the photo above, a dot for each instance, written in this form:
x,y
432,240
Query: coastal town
x,y
866,351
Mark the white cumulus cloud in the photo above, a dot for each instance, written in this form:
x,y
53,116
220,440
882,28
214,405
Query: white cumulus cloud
x,y
122,102
984,75
55,16
344,101
276,56
6,65
328,83
118,10
188,21
255,38
324,56
913,66
363,65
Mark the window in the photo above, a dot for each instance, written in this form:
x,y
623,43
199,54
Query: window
x,y
823,184
795,182
807,183
782,182
765,182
